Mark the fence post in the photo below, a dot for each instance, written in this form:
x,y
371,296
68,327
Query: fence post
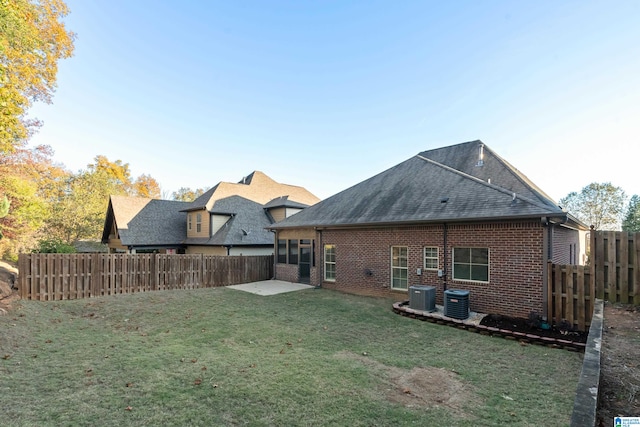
x,y
155,279
636,268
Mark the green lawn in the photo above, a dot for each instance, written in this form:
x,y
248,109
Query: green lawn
x,y
224,357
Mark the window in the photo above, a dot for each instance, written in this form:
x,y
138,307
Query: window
x,y
198,223
399,268
330,263
431,258
189,222
293,251
471,264
282,251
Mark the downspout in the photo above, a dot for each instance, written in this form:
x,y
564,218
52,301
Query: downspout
x,y
320,265
444,269
275,252
548,251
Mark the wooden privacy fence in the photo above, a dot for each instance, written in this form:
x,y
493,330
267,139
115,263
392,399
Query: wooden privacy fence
x,y
613,275
615,264
70,276
570,294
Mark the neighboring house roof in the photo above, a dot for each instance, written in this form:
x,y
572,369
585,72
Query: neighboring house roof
x,y
443,185
246,227
90,246
284,202
146,222
257,187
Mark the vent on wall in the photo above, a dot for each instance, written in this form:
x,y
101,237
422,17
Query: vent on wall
x,y
422,298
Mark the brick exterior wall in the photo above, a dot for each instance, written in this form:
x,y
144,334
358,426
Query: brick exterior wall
x,y
363,262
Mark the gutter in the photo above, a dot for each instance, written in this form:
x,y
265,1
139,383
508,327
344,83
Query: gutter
x,y
386,224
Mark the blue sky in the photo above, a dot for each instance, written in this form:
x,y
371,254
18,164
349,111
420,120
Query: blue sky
x,y
325,94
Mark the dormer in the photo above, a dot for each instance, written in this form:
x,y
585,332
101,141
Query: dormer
x,y
281,208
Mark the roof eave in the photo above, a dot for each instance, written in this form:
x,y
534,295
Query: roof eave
x,y
420,222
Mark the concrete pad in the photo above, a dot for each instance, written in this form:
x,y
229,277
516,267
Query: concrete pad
x,y
270,287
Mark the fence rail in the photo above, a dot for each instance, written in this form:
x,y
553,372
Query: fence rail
x,y
71,276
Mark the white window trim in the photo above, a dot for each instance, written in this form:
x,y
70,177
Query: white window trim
x,y
453,273
437,258
398,268
328,262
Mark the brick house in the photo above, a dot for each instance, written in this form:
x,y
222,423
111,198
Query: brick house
x,y
228,219
458,217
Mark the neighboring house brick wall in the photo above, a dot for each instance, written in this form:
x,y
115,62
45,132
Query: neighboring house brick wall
x,y
566,246
515,285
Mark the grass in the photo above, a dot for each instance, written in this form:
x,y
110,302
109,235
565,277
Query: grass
x,y
225,357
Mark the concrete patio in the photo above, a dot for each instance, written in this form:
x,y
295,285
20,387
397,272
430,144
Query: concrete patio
x,y
270,287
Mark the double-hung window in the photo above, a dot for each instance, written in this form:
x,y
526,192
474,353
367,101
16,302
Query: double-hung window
x,y
471,264
330,263
430,258
399,268
198,223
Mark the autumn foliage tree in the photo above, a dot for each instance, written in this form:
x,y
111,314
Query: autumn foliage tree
x,y
33,39
146,186
30,181
186,194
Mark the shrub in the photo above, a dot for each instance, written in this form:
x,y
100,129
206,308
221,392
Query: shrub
x,y
54,246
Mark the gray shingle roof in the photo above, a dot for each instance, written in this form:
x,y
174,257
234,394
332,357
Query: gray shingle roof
x,y
284,202
415,191
247,226
146,222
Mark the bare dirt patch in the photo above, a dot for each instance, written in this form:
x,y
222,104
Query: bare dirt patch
x,y
420,387
619,393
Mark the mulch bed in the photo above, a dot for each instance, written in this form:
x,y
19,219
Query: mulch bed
x,y
506,327
527,326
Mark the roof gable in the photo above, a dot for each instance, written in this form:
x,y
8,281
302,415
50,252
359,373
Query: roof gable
x,y
146,222
422,189
476,159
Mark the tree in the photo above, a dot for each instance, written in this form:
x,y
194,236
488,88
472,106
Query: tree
x,y
117,173
597,204
30,181
33,39
79,212
4,210
146,186
54,246
186,194
631,221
